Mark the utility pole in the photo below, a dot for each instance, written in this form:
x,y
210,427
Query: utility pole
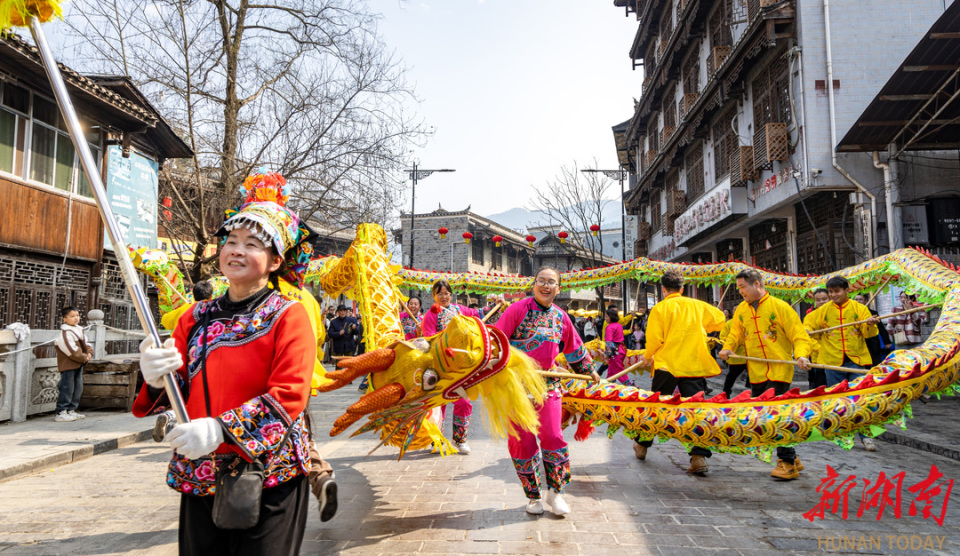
x,y
417,174
621,175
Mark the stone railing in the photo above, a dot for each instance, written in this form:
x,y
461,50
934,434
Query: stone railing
x,y
28,383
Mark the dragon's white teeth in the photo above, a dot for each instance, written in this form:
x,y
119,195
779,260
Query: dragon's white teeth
x,y
461,392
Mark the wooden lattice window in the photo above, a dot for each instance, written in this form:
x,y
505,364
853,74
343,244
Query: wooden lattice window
x,y
669,110
771,94
650,61
724,141
653,136
656,211
666,24
477,255
691,71
719,24
694,166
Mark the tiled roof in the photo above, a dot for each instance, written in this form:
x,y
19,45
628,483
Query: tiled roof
x,y
14,42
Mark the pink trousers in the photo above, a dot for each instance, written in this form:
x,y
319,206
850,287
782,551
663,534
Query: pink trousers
x,y
552,450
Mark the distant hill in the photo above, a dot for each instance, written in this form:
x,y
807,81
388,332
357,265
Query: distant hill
x,y
520,219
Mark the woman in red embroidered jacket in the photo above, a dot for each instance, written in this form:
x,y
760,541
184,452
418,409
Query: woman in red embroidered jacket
x,y
244,365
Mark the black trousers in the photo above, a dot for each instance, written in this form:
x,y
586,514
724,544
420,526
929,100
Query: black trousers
x,y
283,519
786,454
816,378
733,373
666,383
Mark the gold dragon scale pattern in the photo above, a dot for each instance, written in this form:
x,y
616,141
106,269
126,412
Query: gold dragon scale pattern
x,y
742,424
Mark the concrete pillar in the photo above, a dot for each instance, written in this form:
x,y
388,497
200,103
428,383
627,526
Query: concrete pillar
x,y
95,318
21,375
895,219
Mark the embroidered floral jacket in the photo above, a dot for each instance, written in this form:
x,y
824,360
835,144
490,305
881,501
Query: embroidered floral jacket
x,y
259,366
539,332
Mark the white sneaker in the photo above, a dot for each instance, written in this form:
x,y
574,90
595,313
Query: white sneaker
x,y
77,415
534,507
556,502
64,416
869,445
462,448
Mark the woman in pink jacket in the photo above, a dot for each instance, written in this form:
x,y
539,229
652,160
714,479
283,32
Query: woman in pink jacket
x,y
538,327
434,321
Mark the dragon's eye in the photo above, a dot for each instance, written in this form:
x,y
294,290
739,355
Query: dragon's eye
x,y
429,379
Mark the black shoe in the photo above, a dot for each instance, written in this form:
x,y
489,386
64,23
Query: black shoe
x,y
328,499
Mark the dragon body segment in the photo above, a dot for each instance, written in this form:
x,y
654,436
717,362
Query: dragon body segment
x,y
399,406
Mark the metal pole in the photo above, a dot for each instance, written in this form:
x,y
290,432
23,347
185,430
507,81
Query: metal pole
x,y
413,211
623,242
100,194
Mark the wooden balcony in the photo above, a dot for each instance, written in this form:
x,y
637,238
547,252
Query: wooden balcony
x,y
689,99
666,133
741,166
651,156
676,202
770,143
643,231
716,58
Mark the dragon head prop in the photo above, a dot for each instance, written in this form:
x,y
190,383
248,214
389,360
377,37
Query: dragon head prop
x,y
466,360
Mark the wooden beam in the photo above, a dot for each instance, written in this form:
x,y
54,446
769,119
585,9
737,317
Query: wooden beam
x,y
901,123
906,97
952,35
953,67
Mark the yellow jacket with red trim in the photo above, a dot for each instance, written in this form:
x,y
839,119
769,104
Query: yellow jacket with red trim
x,y
677,331
771,331
849,340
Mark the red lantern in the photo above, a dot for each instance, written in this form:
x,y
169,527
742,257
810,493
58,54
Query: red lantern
x,y
563,237
531,239
594,228
497,240
167,202
168,215
467,236
443,232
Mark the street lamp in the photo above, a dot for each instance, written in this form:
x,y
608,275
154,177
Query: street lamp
x,y
417,174
621,175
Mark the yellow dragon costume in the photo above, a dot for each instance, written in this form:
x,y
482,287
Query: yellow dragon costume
x,y
740,425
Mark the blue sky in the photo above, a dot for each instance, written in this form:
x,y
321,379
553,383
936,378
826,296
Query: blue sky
x,y
515,90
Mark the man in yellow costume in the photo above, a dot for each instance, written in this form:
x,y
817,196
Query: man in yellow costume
x,y
769,329
847,346
677,329
816,377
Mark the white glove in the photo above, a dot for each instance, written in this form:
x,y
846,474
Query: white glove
x,y
197,438
155,363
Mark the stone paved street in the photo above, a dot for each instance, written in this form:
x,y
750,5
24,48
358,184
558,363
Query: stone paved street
x,y
116,503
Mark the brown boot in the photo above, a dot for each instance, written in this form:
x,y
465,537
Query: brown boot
x,y
698,465
797,464
640,451
785,471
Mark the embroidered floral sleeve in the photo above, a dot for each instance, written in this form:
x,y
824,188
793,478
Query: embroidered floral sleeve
x,y
579,361
257,426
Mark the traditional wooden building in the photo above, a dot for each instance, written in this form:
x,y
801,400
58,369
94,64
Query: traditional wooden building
x,y
51,237
733,143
